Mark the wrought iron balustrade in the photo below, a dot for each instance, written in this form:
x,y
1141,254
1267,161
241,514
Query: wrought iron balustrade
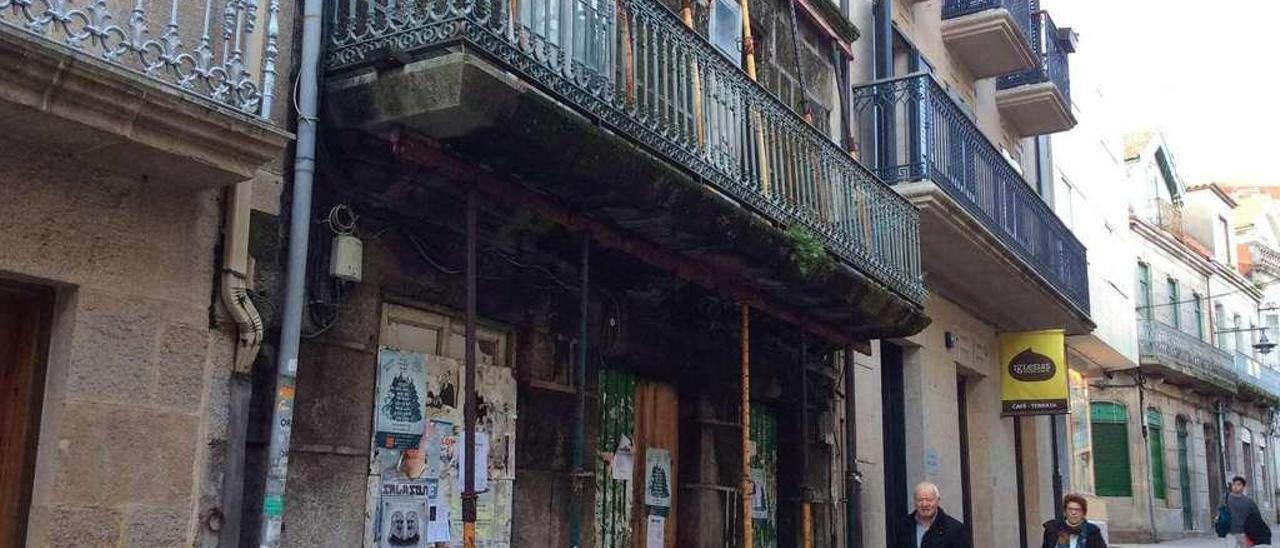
x,y
1052,59
1174,349
938,142
1261,377
223,50
634,66
1021,10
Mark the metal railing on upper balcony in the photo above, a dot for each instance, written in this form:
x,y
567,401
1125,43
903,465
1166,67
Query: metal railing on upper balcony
x,y
634,66
225,51
1261,377
940,143
1021,10
1170,347
1052,65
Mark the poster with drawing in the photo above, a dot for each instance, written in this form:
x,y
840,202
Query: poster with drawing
x,y
399,411
412,514
657,477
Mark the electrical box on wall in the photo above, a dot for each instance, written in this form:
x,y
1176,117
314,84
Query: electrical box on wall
x,y
346,258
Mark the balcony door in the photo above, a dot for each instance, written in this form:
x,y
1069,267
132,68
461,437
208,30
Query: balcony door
x,y
24,320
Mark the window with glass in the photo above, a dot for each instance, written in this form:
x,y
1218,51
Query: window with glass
x,y
1197,308
1144,291
1081,435
1111,473
1236,325
1219,325
1175,308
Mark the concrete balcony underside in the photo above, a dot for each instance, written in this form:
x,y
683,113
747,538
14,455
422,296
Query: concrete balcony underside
x,y
121,121
989,42
967,264
535,144
1035,109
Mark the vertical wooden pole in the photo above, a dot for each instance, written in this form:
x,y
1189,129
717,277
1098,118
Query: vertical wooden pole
x,y
749,63
746,426
806,525
469,404
686,15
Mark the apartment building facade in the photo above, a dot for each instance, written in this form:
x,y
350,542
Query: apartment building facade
x,y
138,145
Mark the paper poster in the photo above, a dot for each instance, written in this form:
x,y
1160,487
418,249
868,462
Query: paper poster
x,y
657,479
655,532
482,457
438,523
759,496
407,509
622,466
399,409
440,444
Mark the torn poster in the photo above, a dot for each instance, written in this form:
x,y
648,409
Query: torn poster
x,y
657,478
398,413
482,457
655,532
622,466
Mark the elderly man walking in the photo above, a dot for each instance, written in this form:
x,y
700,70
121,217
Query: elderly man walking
x,y
929,526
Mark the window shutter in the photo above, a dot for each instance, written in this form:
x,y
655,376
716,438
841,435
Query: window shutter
x,y
1111,450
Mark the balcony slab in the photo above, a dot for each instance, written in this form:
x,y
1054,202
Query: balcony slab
x,y
578,168
124,122
989,42
1036,109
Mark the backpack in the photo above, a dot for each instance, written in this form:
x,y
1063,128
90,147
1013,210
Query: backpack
x,y
1222,525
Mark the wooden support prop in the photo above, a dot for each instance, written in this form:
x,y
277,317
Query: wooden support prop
x,y
746,427
686,15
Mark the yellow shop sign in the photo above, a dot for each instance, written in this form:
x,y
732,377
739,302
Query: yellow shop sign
x,y
1033,373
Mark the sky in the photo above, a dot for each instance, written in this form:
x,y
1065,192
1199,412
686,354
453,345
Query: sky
x,y
1205,72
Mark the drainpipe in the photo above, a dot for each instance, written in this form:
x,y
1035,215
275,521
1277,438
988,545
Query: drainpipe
x,y
295,278
469,378
235,297
745,419
1140,380
852,477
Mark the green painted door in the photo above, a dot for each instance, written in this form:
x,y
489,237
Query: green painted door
x,y
1155,435
614,497
764,477
1111,450
1184,476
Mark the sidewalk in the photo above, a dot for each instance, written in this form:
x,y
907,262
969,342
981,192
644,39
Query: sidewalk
x,y
1202,542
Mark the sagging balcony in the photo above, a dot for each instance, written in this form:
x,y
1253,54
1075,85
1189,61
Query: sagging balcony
x,y
1256,378
992,37
1037,101
984,231
1183,359
625,115
170,90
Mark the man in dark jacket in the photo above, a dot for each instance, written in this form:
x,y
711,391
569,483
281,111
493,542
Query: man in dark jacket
x,y
929,526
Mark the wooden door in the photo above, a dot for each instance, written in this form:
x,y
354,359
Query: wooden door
x,y
657,415
24,316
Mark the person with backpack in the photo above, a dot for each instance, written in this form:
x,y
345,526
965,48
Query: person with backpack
x,y
1239,519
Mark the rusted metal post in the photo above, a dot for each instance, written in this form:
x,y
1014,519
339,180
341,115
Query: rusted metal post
x,y
469,403
852,477
746,425
580,407
806,517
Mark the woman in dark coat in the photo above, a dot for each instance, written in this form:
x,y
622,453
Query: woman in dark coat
x,y
1073,530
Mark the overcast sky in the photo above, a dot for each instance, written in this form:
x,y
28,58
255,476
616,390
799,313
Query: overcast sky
x,y
1206,72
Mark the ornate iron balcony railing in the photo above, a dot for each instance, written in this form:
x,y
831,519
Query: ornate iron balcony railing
x,y
1169,347
220,50
1265,258
940,143
635,67
1261,377
1021,10
1052,66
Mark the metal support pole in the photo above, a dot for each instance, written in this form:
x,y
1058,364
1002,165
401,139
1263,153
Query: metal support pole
x,y
1018,477
469,402
580,407
272,518
1057,468
806,503
1140,382
746,426
852,478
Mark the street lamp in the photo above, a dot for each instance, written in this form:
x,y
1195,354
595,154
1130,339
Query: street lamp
x,y
1264,346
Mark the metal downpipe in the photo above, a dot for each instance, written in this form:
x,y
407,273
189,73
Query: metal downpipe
x,y
272,518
